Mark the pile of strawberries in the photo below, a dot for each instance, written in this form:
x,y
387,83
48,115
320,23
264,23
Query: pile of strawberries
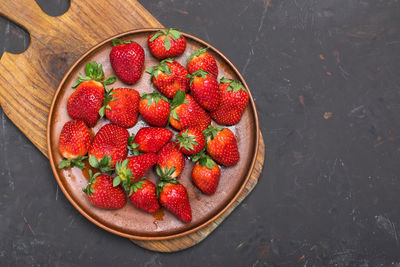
x,y
123,160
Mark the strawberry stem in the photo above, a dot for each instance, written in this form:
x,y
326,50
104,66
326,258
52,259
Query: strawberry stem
x,y
89,189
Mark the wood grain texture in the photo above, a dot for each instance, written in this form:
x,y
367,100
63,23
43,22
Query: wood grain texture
x,y
28,80
190,240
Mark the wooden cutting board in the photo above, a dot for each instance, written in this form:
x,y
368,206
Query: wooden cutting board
x,y
29,80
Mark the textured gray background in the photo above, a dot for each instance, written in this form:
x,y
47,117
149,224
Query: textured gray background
x,y
329,193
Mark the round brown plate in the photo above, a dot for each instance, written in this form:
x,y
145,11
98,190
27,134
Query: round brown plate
x,y
129,221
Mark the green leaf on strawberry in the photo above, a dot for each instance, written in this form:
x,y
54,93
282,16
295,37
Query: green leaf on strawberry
x,y
173,33
197,53
234,85
89,189
186,141
77,162
164,182
153,97
103,164
107,99
116,42
212,131
204,159
167,43
198,73
132,147
161,67
94,71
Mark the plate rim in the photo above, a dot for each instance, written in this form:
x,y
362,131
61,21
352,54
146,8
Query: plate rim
x,y
162,237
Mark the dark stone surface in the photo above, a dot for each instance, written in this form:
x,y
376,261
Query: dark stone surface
x,y
325,75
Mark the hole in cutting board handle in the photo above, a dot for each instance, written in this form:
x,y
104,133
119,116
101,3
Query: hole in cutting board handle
x,y
13,38
54,7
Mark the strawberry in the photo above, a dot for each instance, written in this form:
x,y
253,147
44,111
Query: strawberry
x,y
174,197
234,99
190,141
109,146
222,145
166,43
144,196
202,60
127,60
85,103
121,107
205,90
73,144
186,113
101,192
170,161
154,109
169,76
132,169
205,174
149,139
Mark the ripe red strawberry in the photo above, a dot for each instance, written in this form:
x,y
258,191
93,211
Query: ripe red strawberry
x,y
222,145
85,103
149,139
190,141
234,99
101,192
127,60
170,161
167,43
121,107
202,60
186,113
144,196
205,90
205,174
109,146
132,169
174,197
169,76
73,144
154,109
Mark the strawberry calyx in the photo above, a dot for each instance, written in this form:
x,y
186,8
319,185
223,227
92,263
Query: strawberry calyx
x,y
179,99
89,189
204,159
153,97
165,174
116,42
187,141
198,73
161,67
173,33
132,146
77,162
197,53
103,164
212,131
94,71
164,182
108,97
134,187
234,85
